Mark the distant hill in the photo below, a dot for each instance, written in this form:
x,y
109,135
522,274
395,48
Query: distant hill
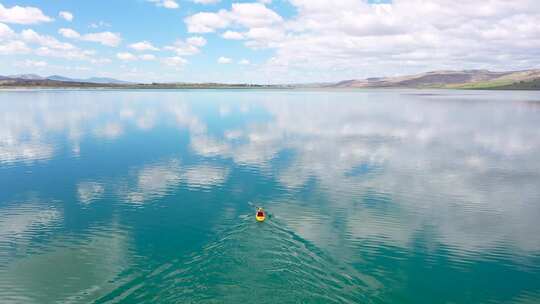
x,y
98,80
26,77
466,79
64,82
522,85
102,80
31,83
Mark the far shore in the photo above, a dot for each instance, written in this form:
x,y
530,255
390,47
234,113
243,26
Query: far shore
x,y
248,87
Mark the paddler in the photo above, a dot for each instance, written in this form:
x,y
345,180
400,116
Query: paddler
x,y
260,216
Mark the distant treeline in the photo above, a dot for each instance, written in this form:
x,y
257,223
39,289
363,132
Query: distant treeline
x,y
46,83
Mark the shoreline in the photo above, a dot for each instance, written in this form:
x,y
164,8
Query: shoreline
x,y
269,87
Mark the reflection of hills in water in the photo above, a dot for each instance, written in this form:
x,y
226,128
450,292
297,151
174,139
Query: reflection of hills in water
x,y
250,262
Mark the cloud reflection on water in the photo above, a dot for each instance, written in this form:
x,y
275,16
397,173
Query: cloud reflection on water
x,y
419,146
381,166
21,221
89,191
460,164
204,176
154,181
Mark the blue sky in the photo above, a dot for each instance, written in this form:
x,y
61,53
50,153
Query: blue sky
x,y
264,41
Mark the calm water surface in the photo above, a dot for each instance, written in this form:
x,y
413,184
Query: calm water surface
x,y
380,196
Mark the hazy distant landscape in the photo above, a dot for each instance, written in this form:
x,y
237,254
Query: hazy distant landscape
x,y
466,79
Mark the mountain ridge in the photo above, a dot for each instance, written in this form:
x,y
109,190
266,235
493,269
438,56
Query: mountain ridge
x,y
96,80
448,79
444,79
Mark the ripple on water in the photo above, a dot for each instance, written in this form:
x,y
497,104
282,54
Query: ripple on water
x,y
17,153
70,269
20,224
266,263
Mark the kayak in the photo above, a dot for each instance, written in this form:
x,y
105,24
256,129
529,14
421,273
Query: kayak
x,y
260,216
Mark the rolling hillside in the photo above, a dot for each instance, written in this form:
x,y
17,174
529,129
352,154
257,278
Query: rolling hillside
x,y
467,79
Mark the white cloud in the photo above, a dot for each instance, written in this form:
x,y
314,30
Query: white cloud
x,y
175,61
51,47
100,60
105,38
224,60
32,64
190,46
244,62
66,15
125,56
205,1
14,48
253,15
182,48
69,33
343,39
99,24
407,36
244,14
232,35
264,37
170,4
22,15
75,53
142,46
196,41
147,57
207,22
5,32
31,36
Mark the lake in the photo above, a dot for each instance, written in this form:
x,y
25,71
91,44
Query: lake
x,y
373,196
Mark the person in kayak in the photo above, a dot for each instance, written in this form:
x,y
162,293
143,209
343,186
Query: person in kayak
x,y
260,216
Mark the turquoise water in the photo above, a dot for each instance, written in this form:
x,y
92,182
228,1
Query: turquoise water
x,y
379,196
